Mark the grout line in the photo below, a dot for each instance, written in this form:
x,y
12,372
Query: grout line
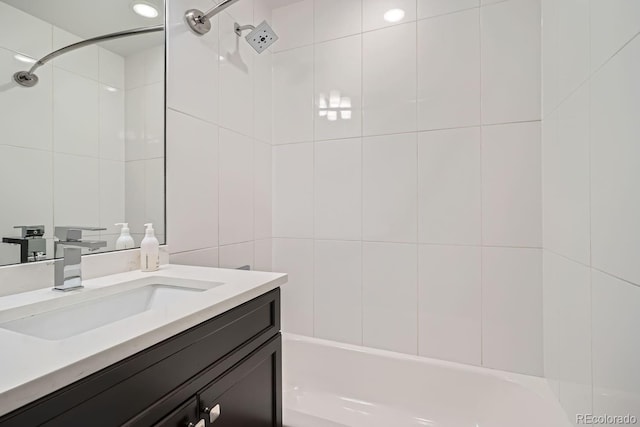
x,y
482,237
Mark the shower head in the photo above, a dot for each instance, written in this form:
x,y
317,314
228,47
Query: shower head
x,y
260,38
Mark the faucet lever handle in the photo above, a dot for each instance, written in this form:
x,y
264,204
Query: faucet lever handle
x,y
30,230
71,233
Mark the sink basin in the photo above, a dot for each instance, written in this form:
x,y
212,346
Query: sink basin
x,y
81,317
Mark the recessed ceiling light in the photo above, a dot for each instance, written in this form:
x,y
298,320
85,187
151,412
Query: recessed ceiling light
x,y
394,15
145,9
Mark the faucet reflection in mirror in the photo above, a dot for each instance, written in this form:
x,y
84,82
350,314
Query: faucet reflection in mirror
x,y
33,246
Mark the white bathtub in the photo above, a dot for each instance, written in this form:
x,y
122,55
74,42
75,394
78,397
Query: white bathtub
x,y
331,384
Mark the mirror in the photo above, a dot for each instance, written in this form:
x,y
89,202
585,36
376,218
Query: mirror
x,y
83,145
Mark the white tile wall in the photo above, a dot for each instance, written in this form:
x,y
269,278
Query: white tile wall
x,y
236,188
415,170
293,190
511,179
449,71
390,288
450,303
219,134
338,291
293,114
449,187
510,61
338,88
295,256
338,189
512,309
389,164
389,90
590,163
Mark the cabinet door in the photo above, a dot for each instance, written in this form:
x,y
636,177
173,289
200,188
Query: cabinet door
x,y
250,395
185,416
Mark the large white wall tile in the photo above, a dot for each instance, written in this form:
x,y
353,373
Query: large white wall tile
x,y
550,56
338,189
200,258
263,97
567,331
389,80
236,71
337,18
112,196
566,179
429,8
38,101
236,187
154,194
135,178
449,71
512,187
338,291
390,289
449,187
390,188
112,124
295,257
262,190
615,201
135,70
338,87
511,61
449,303
573,45
187,53
18,182
111,68
192,183
293,96
613,23
512,310
294,25
237,255
263,255
616,349
76,109
23,33
293,190
135,141
76,178
154,116
375,16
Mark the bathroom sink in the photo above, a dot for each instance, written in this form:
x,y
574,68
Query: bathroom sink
x,y
77,318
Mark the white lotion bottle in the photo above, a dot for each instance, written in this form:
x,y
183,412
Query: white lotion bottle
x,y
125,241
149,250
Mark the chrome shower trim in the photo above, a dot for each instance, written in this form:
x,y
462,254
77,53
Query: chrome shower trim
x,y
240,28
29,79
200,22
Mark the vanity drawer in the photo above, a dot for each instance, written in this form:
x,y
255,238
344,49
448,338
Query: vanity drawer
x,y
122,391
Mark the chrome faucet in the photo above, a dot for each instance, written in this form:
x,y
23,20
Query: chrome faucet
x,y
68,270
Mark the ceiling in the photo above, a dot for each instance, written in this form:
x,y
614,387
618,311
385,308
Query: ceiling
x,y
91,18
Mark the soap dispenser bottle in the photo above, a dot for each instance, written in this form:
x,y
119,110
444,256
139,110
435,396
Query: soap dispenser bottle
x,y
125,241
149,251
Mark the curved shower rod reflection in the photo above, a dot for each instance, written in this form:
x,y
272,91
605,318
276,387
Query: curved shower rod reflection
x,y
29,79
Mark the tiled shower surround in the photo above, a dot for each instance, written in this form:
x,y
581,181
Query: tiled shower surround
x,y
413,222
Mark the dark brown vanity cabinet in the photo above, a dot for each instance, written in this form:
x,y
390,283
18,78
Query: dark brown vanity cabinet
x,y
224,372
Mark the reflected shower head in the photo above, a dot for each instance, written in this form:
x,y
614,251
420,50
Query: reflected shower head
x,y
260,38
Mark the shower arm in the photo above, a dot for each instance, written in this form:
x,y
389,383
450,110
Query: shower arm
x,y
199,21
26,76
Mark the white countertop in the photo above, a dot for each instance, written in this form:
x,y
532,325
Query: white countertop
x,y
31,367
